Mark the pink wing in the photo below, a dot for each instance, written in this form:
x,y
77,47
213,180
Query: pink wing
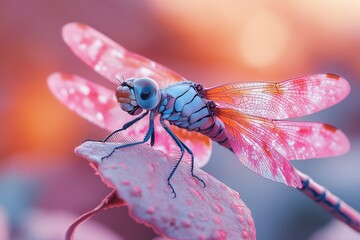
x,y
265,146
292,98
97,104
112,60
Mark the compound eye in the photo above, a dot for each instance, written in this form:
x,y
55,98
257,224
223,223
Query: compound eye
x,y
147,93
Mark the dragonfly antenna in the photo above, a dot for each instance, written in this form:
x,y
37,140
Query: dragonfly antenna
x,y
118,80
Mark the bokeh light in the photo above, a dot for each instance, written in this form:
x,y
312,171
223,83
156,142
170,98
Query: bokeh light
x,y
264,39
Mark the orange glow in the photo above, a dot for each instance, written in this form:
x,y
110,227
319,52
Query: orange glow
x,y
264,39
333,16
43,126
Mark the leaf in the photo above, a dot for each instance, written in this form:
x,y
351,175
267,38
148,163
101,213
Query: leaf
x,y
139,176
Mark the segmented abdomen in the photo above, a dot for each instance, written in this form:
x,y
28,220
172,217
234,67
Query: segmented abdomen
x,y
182,106
330,202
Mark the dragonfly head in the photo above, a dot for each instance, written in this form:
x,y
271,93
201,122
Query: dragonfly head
x,y
136,94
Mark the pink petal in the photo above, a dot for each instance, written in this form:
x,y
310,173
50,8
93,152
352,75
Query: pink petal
x,y
139,174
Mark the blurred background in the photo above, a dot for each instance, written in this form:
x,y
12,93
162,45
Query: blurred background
x,y
44,186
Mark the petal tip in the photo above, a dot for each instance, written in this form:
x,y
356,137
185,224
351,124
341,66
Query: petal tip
x,y
91,151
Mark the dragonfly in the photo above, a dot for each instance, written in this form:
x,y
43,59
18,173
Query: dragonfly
x,y
248,118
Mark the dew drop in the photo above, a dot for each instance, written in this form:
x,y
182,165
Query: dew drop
x,y
152,166
136,191
217,220
201,237
123,165
250,221
237,208
186,223
150,210
245,234
219,235
197,193
125,182
252,231
217,208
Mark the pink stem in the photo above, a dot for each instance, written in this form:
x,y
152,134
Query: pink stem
x,y
330,202
109,201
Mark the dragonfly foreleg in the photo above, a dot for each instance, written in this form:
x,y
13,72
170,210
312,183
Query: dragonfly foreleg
x,y
146,138
182,147
127,125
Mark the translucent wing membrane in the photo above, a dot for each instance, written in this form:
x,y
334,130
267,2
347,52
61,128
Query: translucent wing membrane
x,y
98,105
112,60
95,103
265,146
255,153
292,98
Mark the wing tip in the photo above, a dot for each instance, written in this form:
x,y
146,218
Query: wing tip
x,y
341,141
55,83
53,79
56,77
57,80
342,83
344,143
71,32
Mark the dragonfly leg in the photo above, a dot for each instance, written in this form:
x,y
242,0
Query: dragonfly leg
x,y
192,164
152,140
146,138
127,125
182,147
